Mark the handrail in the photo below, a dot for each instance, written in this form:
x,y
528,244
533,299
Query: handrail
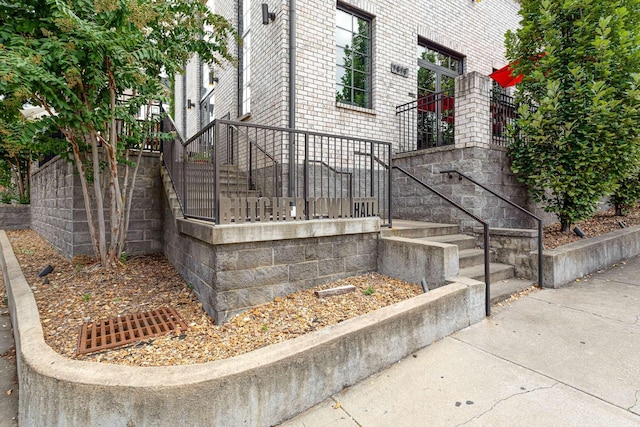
x,y
487,273
375,158
262,150
521,209
336,171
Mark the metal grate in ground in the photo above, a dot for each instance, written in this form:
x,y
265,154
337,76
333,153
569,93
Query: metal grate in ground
x,y
118,331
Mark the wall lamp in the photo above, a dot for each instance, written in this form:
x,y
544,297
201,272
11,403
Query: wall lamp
x,y
190,104
266,15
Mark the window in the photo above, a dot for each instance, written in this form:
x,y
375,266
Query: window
x,y
353,58
245,61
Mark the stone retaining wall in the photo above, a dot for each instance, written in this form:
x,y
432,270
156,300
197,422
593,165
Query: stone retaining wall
x,y
59,215
15,217
489,166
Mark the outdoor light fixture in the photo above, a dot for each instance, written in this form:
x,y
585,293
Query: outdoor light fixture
x,y
190,104
266,15
578,231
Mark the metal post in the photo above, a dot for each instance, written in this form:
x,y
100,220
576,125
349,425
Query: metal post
x,y
540,252
306,176
389,176
216,172
487,273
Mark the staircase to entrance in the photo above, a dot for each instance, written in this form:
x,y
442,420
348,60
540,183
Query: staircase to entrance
x,y
466,256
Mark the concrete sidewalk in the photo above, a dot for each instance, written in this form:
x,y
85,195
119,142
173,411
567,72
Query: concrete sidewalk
x,y
8,384
558,357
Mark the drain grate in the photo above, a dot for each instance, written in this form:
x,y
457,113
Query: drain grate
x,y
118,331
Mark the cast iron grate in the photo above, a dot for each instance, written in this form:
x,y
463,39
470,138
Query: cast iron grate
x,y
118,331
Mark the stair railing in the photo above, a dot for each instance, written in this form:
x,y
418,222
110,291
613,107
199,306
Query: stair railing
x,y
337,172
509,202
276,166
487,272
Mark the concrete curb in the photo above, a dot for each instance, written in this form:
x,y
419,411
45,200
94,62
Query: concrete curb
x,y
577,259
263,387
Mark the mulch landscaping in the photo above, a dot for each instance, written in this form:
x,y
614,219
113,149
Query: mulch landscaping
x,y
78,291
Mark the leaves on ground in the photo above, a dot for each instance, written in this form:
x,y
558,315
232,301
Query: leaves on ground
x,y
78,290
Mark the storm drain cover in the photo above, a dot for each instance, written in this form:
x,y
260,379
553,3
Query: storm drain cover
x,y
118,331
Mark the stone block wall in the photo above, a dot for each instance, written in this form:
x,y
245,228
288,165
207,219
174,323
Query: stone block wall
x,y
489,166
59,215
231,274
15,217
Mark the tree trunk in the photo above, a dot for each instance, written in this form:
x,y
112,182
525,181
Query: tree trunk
x,y
565,225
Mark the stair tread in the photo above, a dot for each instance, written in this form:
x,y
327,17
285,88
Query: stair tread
x,y
448,238
475,270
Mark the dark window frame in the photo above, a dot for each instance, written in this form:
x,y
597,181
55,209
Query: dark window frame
x,y
368,71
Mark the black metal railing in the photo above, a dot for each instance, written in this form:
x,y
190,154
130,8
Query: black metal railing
x,y
426,122
503,115
510,203
485,225
238,172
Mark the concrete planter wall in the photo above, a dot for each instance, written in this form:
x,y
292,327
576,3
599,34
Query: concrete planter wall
x,y
577,259
260,388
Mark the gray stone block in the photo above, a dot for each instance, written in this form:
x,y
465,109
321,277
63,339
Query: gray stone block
x,y
303,271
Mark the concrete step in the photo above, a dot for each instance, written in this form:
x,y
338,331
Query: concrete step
x,y
498,272
417,229
471,257
462,240
503,289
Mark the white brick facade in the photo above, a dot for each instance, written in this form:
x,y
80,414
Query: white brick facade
x,y
473,29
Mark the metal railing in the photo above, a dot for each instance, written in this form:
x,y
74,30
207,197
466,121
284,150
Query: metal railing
x,y
510,203
426,122
239,172
503,115
487,272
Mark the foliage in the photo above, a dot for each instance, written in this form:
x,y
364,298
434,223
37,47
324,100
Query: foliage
x,y
96,67
627,195
577,135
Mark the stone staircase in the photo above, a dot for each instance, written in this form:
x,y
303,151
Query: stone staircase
x,y
470,256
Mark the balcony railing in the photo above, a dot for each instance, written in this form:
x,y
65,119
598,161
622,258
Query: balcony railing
x,y
232,172
427,122
503,114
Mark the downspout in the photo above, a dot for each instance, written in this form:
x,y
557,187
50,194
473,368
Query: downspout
x,y
292,94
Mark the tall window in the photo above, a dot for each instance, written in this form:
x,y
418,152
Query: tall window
x,y
353,58
245,74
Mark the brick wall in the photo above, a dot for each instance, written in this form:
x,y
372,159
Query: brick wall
x,y
15,217
473,29
59,215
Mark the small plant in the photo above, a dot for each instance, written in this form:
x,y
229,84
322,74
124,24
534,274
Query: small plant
x,y
190,286
123,257
264,328
369,291
27,251
86,297
116,300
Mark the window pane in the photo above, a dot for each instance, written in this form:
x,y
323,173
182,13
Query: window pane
x,y
343,38
360,80
361,98
343,20
343,94
360,62
340,55
361,44
341,76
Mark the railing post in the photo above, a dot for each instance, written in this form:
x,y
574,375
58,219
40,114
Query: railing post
x,y
487,273
306,175
216,172
371,163
389,180
292,163
540,252
184,179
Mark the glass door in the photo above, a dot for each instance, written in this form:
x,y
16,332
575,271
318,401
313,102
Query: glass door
x,y
436,96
